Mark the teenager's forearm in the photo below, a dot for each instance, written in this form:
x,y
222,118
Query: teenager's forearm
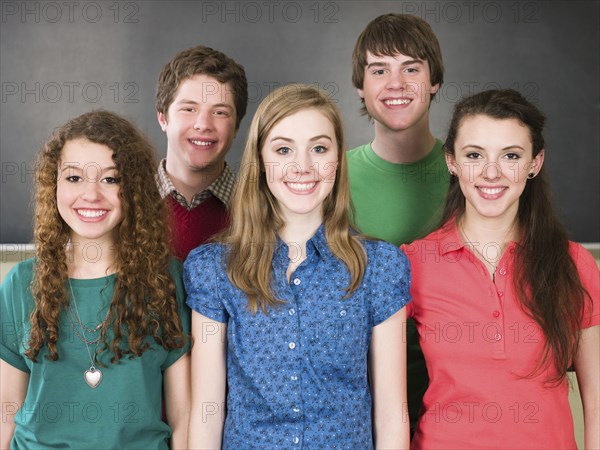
x,y
392,432
591,420
205,433
179,438
7,430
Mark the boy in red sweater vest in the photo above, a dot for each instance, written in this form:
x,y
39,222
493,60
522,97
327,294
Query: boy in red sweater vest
x,y
201,98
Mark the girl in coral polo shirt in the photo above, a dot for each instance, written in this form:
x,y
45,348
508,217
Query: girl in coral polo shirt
x,y
503,301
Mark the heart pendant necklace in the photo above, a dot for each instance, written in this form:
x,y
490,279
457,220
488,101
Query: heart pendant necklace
x,y
92,376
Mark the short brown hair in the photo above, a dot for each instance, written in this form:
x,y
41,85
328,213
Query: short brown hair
x,y
391,34
202,60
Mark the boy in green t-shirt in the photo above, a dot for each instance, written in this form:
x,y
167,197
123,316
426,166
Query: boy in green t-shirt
x,y
399,181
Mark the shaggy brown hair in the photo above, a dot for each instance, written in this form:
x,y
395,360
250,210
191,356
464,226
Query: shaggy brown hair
x,y
390,34
547,281
144,301
206,61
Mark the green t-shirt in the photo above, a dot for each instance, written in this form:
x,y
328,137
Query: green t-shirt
x,y
60,409
397,202
400,203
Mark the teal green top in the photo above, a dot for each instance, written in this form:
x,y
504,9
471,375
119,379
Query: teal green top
x,y
397,202
60,409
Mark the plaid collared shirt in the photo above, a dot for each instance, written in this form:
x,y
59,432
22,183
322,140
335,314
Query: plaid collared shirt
x,y
222,187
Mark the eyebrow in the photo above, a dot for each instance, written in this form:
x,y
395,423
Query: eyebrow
x,y
185,101
385,64
78,167
478,147
312,139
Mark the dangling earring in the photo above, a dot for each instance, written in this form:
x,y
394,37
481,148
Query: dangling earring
x,y
530,176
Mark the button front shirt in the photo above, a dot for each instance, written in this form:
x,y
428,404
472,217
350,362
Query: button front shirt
x,y
480,345
222,187
298,376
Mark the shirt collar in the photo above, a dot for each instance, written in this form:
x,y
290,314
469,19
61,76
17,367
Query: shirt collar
x,y
222,187
450,240
317,244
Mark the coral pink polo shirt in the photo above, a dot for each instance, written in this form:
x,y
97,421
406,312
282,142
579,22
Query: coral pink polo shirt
x,y
478,345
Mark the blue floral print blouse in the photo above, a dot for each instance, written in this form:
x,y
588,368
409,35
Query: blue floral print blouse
x,y
297,377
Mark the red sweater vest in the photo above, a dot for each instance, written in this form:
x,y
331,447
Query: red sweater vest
x,y
194,227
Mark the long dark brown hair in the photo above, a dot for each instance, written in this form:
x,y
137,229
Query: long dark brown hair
x,y
144,301
547,282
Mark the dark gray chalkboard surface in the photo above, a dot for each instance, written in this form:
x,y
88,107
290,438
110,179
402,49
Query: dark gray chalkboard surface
x,y
59,59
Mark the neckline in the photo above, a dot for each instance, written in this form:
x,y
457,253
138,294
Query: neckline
x,y
383,164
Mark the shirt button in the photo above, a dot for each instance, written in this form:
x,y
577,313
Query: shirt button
x,y
343,312
496,314
502,271
296,409
292,311
500,293
294,378
296,281
292,345
497,336
296,440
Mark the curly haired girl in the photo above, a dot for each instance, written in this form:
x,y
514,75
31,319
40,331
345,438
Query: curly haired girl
x,y
93,325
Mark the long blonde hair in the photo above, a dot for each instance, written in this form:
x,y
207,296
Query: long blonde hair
x,y
255,216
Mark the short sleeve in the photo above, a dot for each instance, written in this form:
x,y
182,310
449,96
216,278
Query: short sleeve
x,y
590,279
14,315
175,271
389,272
201,272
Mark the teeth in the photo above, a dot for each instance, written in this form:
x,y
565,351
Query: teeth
x,y
91,213
201,143
397,101
491,191
301,186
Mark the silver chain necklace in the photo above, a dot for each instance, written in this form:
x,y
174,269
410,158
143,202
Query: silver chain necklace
x,y
494,266
92,376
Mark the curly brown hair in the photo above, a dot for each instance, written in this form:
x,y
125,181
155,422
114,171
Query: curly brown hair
x,y
144,302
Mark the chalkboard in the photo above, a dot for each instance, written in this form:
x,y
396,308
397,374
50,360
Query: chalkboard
x,y
60,59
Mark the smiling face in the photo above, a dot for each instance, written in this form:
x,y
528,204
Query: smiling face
x,y
200,126
300,157
87,191
397,91
492,160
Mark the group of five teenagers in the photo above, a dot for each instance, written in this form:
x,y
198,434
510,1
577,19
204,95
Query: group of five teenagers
x,y
399,180
292,310
201,98
504,302
96,322
298,319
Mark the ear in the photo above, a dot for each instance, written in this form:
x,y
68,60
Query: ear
x,y
537,162
162,120
435,88
451,163
361,93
